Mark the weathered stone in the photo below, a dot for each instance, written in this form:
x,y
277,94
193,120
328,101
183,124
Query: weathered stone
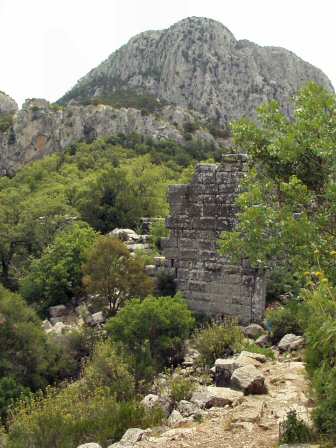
x,y
89,445
46,325
253,331
211,396
186,408
249,380
259,357
236,75
151,401
57,311
291,342
132,435
224,369
210,284
97,318
8,106
175,418
264,341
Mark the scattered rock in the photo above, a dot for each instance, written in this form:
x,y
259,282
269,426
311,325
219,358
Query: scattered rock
x,y
132,435
212,396
125,234
175,418
249,380
89,445
46,325
254,356
263,341
57,311
291,342
253,331
56,320
96,319
178,433
186,408
224,369
151,401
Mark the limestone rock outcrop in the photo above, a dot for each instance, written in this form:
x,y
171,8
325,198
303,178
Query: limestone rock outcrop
x,y
199,63
7,104
41,128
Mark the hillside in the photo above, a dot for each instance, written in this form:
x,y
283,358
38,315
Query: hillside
x,y
198,63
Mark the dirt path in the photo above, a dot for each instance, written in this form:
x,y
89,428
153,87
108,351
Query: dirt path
x,y
252,424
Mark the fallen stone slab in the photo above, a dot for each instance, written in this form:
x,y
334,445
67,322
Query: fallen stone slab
x,y
249,380
213,396
224,369
253,331
291,342
89,445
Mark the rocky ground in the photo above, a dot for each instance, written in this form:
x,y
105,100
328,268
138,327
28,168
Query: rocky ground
x,y
251,421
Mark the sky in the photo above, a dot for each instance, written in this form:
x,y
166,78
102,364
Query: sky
x,y
47,45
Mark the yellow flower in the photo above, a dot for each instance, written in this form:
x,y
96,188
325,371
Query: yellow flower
x,y
306,273
319,274
333,253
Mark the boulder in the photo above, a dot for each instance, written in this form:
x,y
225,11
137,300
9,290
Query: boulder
x,y
57,311
212,396
56,320
263,341
224,369
291,342
187,409
132,435
97,318
175,418
249,380
46,325
253,331
125,235
252,356
90,445
151,401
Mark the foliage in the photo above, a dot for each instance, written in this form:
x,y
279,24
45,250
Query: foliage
x,y
284,320
56,276
158,230
287,211
180,387
24,352
52,420
252,347
165,284
218,341
6,121
294,430
10,391
107,369
152,331
113,275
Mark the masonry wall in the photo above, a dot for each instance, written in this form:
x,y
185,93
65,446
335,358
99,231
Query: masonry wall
x,y
200,211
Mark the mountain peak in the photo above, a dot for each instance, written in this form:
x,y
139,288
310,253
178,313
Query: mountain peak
x,y
198,63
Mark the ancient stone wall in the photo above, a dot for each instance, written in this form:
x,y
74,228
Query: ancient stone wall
x,y
200,211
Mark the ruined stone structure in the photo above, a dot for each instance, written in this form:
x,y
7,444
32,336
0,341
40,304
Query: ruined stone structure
x,y
200,211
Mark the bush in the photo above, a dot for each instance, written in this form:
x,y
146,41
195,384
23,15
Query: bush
x,y
24,352
56,276
66,418
294,430
218,341
10,391
153,331
108,369
165,284
6,121
180,387
284,320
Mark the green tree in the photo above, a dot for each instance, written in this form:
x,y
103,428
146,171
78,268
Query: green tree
x,y
113,275
23,344
153,330
287,210
56,276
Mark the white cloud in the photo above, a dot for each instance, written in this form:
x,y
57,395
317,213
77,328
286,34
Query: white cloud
x,y
48,44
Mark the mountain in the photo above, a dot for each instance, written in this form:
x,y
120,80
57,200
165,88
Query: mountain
x,y
198,63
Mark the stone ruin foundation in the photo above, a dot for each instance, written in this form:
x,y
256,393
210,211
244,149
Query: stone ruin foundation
x,y
200,211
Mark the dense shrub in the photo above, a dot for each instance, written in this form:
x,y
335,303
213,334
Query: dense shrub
x,y
24,354
108,369
10,391
218,341
285,319
153,331
66,418
294,430
56,277
180,387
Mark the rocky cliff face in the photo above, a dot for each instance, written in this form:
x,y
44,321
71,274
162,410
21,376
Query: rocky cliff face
x,y
198,63
40,128
7,104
